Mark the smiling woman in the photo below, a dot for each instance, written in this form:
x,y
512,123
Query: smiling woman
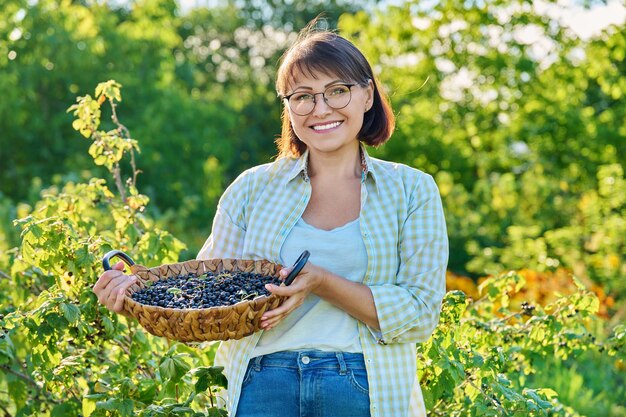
x,y
343,342
345,72
334,120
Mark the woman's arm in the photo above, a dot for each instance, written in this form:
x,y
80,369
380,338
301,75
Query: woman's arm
x,y
408,309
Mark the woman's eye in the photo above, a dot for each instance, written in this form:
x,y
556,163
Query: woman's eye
x,y
338,90
302,97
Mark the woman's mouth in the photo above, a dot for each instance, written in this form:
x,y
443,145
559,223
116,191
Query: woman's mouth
x,y
326,126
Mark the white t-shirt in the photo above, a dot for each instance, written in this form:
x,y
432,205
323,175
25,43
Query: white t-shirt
x,y
317,324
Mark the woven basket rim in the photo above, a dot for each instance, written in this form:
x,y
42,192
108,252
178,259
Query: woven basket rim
x,y
210,260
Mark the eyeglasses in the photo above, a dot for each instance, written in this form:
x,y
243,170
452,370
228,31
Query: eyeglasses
x,y
336,96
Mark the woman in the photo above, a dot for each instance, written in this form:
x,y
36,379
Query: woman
x,y
343,342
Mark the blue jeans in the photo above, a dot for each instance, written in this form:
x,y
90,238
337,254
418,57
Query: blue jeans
x,y
305,384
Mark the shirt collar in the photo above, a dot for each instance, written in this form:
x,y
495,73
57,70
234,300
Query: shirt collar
x,y
301,166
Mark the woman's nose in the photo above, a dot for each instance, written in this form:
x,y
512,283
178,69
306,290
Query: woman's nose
x,y
320,107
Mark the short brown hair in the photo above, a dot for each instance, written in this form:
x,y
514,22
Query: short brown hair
x,y
322,51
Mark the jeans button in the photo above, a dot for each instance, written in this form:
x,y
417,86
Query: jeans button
x,y
305,360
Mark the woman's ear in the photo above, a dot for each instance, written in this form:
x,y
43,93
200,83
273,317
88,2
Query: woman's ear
x,y
369,101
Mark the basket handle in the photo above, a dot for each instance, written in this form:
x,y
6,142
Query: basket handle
x,y
112,254
297,267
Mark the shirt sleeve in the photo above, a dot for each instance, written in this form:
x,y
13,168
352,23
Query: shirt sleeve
x,y
229,224
408,310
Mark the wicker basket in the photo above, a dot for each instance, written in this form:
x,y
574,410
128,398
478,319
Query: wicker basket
x,y
200,324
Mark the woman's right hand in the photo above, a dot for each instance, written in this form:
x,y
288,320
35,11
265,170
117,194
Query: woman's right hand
x,y
111,287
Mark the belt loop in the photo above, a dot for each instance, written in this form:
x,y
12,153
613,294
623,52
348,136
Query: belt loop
x,y
342,363
257,363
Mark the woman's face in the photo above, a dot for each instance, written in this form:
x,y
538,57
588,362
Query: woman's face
x,y
327,129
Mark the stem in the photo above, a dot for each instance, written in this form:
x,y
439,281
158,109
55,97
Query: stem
x,y
4,275
118,181
134,167
124,132
32,382
6,412
20,375
434,408
69,389
124,348
120,127
501,410
115,172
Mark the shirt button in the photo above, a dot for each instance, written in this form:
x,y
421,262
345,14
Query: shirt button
x,y
305,360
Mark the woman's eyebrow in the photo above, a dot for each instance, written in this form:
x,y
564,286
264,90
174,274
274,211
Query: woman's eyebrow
x,y
311,88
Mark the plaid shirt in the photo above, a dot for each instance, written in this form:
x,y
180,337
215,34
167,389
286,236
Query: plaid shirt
x,y
404,231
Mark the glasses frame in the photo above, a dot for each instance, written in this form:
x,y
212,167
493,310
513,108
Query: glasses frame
x,y
349,85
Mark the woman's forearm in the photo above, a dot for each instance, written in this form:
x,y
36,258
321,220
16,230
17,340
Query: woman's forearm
x,y
354,298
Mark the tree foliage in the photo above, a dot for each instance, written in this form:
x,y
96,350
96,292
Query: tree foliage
x,y
519,123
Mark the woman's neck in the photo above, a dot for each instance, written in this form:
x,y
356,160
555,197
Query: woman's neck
x,y
345,163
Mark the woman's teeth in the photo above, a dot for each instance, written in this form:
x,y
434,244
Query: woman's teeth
x,y
326,126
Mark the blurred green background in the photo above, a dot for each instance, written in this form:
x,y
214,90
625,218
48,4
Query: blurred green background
x,y
515,107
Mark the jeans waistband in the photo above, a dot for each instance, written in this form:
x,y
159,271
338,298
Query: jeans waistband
x,y
310,359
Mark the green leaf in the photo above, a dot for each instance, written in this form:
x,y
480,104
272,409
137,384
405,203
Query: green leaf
x,y
167,368
127,387
108,325
216,412
123,406
147,390
202,384
89,406
17,391
548,393
83,256
78,124
63,410
70,312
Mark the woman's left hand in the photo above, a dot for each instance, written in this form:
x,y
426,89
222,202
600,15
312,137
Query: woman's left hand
x,y
310,278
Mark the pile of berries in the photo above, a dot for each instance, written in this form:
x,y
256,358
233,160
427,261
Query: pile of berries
x,y
205,291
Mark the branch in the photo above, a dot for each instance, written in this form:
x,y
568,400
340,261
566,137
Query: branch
x,y
20,375
32,382
118,181
121,345
501,410
6,412
123,131
71,391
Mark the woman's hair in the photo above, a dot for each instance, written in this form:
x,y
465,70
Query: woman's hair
x,y
322,51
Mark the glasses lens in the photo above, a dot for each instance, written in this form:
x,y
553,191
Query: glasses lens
x,y
302,103
337,96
